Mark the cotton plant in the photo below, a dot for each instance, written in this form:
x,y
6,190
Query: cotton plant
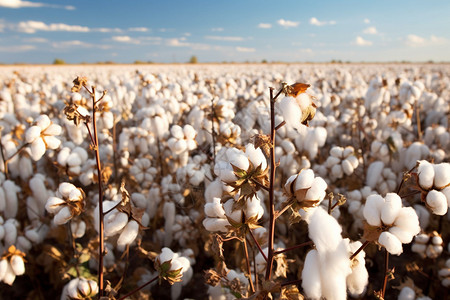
x,y
143,172
389,223
12,264
433,182
381,178
9,201
341,162
172,266
356,200
79,288
42,136
71,159
444,274
428,245
67,203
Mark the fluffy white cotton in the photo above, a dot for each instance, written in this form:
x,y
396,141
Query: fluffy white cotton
x,y
442,175
311,280
407,293
291,111
359,278
391,243
374,173
426,174
437,202
391,208
128,235
372,209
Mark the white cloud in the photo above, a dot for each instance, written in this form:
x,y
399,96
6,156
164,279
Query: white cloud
x,y
306,50
366,21
315,22
77,43
125,39
362,42
370,30
244,49
217,29
21,4
138,29
224,38
413,40
176,43
18,48
287,24
33,26
35,40
264,25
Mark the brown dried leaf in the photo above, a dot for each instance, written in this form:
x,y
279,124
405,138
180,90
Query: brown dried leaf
x,y
371,233
78,84
291,292
296,89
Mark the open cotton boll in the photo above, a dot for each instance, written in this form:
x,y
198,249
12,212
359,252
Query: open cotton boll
x,y
214,209
78,229
17,265
425,170
372,209
290,111
392,244
114,222
256,156
62,216
324,230
236,215
359,278
54,204
374,173
304,180
437,202
128,235
311,282
391,208
442,175
32,134
9,276
408,221
446,192
317,190
37,149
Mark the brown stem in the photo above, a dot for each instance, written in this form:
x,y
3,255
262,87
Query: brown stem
x,y
259,184
280,125
271,187
114,147
366,243
309,243
386,272
101,246
419,129
138,288
257,245
213,132
278,213
249,270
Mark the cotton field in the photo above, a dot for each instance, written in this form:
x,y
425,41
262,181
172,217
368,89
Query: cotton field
x,y
258,181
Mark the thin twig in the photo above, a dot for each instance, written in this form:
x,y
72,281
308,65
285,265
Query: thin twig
x,y
309,243
386,272
366,243
271,187
138,288
258,245
213,133
280,125
249,270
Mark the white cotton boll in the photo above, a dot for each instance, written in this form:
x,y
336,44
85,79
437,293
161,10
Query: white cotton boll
x,y
225,172
337,171
391,208
11,201
18,265
311,282
256,156
304,180
372,209
165,255
189,132
37,149
317,190
32,134
43,121
253,208
324,230
347,167
236,215
3,268
25,167
128,235
358,280
423,215
419,248
437,202
336,151
179,146
169,220
238,160
72,288
53,129
214,190
78,229
374,173
54,204
114,222
331,161
391,243
23,244
291,112
408,221
215,224
407,293
442,175
446,193
425,171
214,209
9,275
10,233
177,132
63,216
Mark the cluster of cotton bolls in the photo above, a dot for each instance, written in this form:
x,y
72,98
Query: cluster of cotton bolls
x,y
183,142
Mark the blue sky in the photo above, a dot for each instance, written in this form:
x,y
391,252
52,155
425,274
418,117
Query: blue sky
x,y
216,31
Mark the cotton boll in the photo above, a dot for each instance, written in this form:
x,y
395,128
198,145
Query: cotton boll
x,y
423,215
114,222
78,229
407,293
169,220
11,201
359,278
236,215
17,265
408,221
304,180
290,110
3,268
317,190
128,235
391,208
374,173
311,282
426,174
391,243
437,202
442,175
9,275
62,216
32,134
372,209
